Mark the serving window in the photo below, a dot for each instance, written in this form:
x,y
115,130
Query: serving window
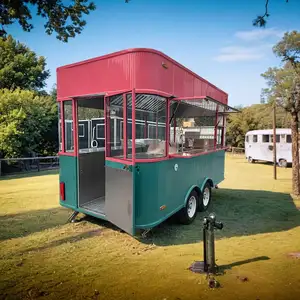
x,y
206,132
143,130
151,126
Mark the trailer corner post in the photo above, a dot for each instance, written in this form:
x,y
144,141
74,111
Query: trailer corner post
x,y
62,124
125,125
168,127
107,126
216,127
75,126
133,126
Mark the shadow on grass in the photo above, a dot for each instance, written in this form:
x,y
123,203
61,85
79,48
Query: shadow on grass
x,y
69,239
29,174
243,212
23,224
223,268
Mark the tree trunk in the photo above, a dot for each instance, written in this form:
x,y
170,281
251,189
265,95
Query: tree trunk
x,y
295,155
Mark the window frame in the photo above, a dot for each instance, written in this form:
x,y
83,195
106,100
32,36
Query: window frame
x,y
96,135
132,160
81,136
62,123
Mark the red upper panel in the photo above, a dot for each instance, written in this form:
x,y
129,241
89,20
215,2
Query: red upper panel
x,y
133,68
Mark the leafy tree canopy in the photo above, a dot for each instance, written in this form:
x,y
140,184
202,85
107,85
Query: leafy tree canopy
x,y
28,124
288,49
62,17
20,67
257,116
283,87
284,82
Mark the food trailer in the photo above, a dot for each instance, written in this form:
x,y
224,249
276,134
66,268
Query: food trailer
x,y
120,155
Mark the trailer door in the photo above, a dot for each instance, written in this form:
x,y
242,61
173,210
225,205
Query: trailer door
x,y
119,196
119,170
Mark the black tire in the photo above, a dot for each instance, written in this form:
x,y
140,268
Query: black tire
x,y
184,215
282,163
251,160
205,200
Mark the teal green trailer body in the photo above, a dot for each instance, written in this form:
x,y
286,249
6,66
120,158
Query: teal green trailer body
x,y
160,189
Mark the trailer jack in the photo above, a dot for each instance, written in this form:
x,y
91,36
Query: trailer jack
x,y
72,218
208,265
145,232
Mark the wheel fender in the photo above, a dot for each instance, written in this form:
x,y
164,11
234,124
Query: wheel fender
x,y
189,191
204,183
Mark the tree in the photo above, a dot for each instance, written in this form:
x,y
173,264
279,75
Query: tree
x,y
284,88
28,124
288,49
257,116
261,20
20,67
65,20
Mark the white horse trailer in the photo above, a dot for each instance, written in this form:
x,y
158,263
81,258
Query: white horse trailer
x,y
259,146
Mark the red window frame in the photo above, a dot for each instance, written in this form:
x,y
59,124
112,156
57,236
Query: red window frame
x,y
134,160
215,128
62,125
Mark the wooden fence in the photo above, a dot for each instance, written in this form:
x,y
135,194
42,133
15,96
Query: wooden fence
x,y
236,150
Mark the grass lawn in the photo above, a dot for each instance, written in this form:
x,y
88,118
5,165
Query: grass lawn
x,y
42,257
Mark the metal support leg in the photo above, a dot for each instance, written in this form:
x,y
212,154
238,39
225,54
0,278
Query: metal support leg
x,y
72,218
145,232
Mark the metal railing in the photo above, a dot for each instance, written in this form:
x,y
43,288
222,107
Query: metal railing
x,y
10,166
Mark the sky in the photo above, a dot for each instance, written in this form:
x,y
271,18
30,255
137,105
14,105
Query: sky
x,y
213,38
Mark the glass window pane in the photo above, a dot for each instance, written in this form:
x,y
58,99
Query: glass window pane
x,y
288,138
115,114
81,131
150,126
266,138
69,143
254,138
90,117
277,138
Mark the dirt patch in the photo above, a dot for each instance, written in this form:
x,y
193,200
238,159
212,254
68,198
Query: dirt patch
x,y
294,255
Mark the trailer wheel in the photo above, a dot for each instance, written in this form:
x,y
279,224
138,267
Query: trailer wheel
x,y
188,214
282,163
205,197
251,160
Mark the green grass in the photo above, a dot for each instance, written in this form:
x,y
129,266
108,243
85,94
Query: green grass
x,y
42,257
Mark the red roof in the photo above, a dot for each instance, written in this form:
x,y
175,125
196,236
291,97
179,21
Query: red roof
x,y
138,68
